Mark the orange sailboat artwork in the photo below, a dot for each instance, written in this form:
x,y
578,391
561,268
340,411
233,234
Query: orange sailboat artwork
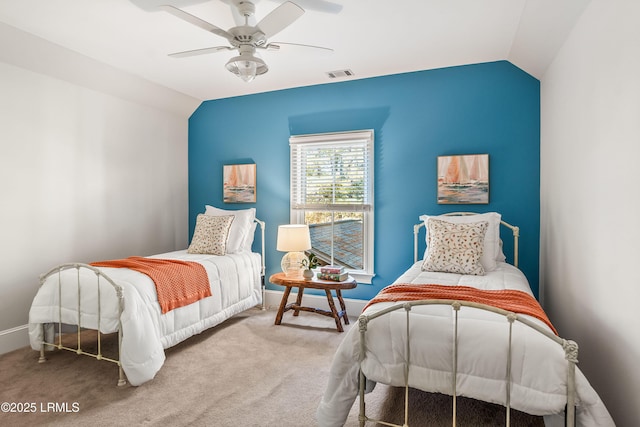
x,y
463,179
239,183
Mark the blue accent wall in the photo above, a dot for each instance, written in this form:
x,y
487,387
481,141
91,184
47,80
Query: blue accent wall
x,y
491,108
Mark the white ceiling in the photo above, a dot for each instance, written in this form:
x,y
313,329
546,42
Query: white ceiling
x,y
369,37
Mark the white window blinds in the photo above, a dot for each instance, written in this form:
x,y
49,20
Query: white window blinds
x,y
332,171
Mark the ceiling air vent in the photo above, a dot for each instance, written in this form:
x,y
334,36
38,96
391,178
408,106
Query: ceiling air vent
x,y
340,73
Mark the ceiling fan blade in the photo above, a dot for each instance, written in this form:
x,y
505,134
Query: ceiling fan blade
x,y
276,46
320,6
152,5
280,18
179,13
196,52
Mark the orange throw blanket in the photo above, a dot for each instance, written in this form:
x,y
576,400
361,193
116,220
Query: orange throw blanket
x,y
506,299
178,283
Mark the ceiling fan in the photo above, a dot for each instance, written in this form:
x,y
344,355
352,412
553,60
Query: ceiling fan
x,y
245,38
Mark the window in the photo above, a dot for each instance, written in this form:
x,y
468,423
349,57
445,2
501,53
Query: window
x,y
332,192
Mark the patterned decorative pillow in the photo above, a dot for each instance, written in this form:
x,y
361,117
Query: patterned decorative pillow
x,y
211,235
491,251
455,248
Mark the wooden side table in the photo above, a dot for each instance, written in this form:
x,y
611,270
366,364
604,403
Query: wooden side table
x,y
315,283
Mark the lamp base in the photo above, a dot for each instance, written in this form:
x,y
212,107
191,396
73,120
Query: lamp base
x,y
292,264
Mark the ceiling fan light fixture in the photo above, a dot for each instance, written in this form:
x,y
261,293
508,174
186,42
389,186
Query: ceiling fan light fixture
x,y
247,66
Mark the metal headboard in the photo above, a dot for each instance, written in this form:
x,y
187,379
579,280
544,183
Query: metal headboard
x,y
514,229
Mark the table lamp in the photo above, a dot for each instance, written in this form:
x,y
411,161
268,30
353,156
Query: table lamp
x,y
293,239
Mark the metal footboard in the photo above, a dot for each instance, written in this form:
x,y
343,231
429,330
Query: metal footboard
x,y
78,350
570,348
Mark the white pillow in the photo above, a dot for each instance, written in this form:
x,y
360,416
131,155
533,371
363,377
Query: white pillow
x,y
248,241
491,248
240,234
455,248
210,235
501,256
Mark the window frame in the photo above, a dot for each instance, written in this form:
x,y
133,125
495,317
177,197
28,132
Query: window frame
x,y
297,210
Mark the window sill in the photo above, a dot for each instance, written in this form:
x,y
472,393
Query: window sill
x,y
362,277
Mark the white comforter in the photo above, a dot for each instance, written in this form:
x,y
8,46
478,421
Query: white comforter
x,y
538,366
146,332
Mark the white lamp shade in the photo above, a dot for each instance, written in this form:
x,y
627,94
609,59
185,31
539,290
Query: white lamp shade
x,y
293,238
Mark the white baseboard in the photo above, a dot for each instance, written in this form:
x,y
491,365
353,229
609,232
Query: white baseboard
x,y
272,302
14,338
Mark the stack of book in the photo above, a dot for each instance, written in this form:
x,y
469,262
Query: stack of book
x,y
333,272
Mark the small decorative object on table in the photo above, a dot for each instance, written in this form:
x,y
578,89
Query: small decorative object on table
x,y
332,269
336,273
309,264
340,277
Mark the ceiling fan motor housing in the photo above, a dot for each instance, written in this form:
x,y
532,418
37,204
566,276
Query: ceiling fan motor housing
x,y
246,8
245,34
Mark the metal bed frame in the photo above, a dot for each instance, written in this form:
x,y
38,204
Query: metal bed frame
x,y
118,289
570,347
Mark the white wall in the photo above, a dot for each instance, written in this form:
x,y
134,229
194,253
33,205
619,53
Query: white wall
x,y
590,199
84,175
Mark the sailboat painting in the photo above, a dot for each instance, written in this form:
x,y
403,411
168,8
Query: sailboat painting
x,y
463,179
239,183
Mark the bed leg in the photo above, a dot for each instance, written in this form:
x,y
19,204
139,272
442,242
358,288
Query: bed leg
x,y
121,378
361,416
42,359
264,292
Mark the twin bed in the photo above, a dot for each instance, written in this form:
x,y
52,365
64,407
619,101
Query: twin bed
x,y
437,329
111,299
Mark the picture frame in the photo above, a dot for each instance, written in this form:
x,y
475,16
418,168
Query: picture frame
x,y
463,179
239,183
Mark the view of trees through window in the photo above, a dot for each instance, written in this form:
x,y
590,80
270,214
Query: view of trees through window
x,y
329,217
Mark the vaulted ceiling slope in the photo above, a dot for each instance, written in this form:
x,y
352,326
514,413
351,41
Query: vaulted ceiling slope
x,y
369,37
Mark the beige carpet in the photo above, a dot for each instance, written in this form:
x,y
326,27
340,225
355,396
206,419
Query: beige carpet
x,y
245,372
